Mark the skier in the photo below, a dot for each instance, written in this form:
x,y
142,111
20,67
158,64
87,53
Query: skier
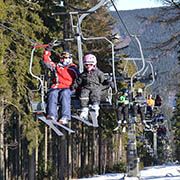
x,y
64,73
158,100
150,105
123,106
139,107
90,82
122,111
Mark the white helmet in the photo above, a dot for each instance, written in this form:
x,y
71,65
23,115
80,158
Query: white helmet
x,y
150,96
140,90
90,59
126,94
66,58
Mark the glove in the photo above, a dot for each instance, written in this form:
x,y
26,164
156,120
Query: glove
x,y
49,47
72,87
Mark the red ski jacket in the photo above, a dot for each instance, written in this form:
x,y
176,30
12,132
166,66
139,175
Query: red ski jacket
x,y
64,75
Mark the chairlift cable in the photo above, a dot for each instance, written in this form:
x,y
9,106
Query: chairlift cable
x,y
145,70
22,35
120,18
123,23
33,42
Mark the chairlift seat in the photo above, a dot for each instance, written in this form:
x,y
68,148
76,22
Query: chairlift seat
x,y
106,99
106,96
37,106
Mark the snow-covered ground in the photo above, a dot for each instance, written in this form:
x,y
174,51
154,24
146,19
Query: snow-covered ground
x,y
164,172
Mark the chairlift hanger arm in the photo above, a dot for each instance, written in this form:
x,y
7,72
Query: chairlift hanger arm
x,y
153,76
55,43
78,30
112,48
31,62
35,76
145,70
142,58
93,9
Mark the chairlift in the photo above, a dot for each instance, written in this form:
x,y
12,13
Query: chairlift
x,y
140,75
40,106
78,37
78,34
137,75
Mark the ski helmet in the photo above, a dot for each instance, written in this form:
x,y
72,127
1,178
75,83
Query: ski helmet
x,y
66,58
150,96
140,90
90,59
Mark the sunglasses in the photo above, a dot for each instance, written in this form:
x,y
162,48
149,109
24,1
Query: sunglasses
x,y
88,64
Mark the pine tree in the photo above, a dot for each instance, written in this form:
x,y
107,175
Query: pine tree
x,y
176,126
19,25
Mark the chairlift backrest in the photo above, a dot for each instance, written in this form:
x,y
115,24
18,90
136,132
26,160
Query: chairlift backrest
x,y
79,39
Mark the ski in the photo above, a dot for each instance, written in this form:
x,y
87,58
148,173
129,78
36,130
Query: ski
x,y
63,126
94,118
117,127
50,124
82,120
148,129
121,127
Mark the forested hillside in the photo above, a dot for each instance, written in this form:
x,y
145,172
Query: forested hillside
x,y
153,28
158,29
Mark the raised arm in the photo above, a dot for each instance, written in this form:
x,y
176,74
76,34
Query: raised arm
x,y
47,60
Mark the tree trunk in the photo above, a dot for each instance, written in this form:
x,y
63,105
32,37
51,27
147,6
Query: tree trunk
x,y
31,168
82,153
45,150
69,154
2,166
62,158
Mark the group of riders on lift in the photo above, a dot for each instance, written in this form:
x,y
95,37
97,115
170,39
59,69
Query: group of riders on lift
x,y
67,79
140,105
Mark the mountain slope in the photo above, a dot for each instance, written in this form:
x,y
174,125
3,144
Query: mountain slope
x,y
141,22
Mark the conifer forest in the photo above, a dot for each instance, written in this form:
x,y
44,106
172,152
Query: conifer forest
x,y
136,50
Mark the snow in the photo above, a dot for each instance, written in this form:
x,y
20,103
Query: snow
x,y
163,172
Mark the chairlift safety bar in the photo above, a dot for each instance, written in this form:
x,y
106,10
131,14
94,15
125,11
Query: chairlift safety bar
x,y
35,76
79,32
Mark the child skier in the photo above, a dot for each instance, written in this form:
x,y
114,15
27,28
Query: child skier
x,y
90,82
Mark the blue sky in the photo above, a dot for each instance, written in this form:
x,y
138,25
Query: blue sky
x,y
136,4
